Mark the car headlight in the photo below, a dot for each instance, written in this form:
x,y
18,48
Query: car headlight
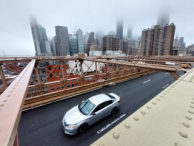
x,y
71,126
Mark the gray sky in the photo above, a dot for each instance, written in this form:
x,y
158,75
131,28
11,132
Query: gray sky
x,y
88,15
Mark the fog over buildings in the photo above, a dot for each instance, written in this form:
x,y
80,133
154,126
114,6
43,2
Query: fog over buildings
x,y
89,16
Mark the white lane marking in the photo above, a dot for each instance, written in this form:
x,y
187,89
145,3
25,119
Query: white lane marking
x,y
147,81
108,125
166,73
165,86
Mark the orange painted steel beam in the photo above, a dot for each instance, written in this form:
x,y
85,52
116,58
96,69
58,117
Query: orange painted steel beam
x,y
175,75
158,67
3,78
65,58
11,105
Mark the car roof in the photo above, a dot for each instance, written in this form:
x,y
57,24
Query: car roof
x,y
97,99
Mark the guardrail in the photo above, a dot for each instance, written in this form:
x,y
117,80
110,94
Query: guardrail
x,y
51,97
11,105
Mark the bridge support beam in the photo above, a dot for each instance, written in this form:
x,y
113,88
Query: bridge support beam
x,y
3,77
11,105
175,75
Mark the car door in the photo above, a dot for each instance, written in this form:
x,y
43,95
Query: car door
x,y
97,114
108,106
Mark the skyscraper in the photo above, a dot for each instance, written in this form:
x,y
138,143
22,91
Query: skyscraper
x,y
73,45
80,41
120,29
90,42
86,37
53,46
43,38
62,41
157,41
41,43
129,34
36,37
181,42
125,46
110,43
99,36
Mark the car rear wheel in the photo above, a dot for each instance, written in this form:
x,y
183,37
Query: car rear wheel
x,y
114,110
82,128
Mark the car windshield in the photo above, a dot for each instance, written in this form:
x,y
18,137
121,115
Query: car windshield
x,y
86,107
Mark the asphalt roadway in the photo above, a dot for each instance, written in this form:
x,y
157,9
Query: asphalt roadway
x,y
42,126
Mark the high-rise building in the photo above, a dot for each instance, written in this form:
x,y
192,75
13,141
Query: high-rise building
x,y
35,35
48,46
125,46
86,37
110,43
99,36
39,37
157,41
90,42
190,49
120,29
175,42
53,46
73,45
129,34
80,41
147,42
62,41
43,38
163,20
181,42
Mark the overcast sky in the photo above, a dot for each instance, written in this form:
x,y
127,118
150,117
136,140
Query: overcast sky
x,y
88,15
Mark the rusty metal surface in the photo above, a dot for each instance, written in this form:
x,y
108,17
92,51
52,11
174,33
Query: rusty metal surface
x,y
11,105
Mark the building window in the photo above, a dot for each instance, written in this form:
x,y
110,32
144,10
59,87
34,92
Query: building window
x,y
59,67
52,89
67,86
72,85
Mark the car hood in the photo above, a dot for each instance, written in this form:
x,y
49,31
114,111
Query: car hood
x,y
73,116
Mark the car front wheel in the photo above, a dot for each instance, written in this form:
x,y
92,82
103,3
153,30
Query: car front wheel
x,y
82,128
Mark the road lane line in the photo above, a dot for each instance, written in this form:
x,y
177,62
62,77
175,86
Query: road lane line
x,y
108,125
165,86
147,81
166,73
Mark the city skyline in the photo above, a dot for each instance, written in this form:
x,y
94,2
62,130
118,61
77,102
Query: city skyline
x,y
15,27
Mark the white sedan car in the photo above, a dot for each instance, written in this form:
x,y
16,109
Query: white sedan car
x,y
89,111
